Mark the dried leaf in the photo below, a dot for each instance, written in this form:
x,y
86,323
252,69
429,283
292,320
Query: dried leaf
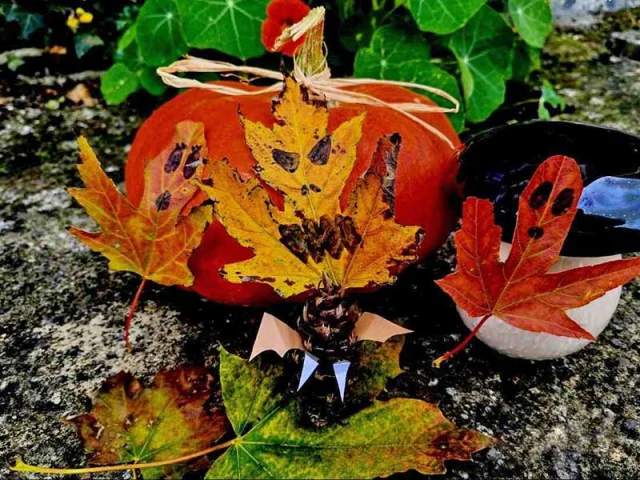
x,y
388,437
520,291
81,94
133,424
311,239
153,239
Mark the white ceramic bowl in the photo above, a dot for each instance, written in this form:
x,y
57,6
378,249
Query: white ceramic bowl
x,y
517,343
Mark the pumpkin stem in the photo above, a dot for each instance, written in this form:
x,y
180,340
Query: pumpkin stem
x,y
443,358
310,58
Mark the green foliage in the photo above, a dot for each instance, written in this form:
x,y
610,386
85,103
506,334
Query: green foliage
x,y
483,49
118,83
395,54
469,48
385,438
86,41
443,16
229,27
29,21
532,19
159,32
166,29
549,97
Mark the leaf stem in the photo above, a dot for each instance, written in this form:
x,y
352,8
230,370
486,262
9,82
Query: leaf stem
x,y
443,358
132,311
20,466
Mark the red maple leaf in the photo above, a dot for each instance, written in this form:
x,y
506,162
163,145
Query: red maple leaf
x,y
520,291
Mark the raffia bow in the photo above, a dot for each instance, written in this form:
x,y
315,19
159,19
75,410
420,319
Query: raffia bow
x,y
312,71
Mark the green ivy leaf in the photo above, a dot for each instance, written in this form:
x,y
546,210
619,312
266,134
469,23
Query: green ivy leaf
x,y
118,83
232,27
443,16
549,97
159,33
29,22
151,82
395,54
484,49
383,439
532,19
85,42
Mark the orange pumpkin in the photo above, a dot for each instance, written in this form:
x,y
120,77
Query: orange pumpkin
x,y
426,188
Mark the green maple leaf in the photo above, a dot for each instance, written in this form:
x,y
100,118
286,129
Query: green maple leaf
x,y
443,16
398,54
483,48
532,19
230,26
385,438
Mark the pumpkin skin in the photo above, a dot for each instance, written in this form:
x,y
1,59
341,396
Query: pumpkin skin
x,y
426,189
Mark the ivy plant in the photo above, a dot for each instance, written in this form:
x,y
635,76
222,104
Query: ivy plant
x,y
468,48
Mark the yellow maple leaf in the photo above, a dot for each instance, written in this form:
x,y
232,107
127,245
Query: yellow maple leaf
x,y
296,249
298,157
153,239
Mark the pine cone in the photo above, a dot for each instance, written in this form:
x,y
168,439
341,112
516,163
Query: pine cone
x,y
327,323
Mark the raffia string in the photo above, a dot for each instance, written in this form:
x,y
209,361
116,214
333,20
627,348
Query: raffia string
x,y
314,74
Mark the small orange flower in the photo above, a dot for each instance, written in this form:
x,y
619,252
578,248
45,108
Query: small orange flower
x,y
280,15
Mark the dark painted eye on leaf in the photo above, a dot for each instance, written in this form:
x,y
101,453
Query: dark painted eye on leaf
x,y
287,160
349,233
292,237
314,188
304,190
535,232
563,202
193,160
540,195
173,162
319,154
163,200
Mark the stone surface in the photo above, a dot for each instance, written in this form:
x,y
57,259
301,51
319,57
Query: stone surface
x,y
584,12
62,311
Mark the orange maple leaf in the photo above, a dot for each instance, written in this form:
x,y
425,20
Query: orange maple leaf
x,y
153,239
520,291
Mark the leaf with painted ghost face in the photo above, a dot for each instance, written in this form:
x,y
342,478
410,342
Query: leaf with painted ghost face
x,y
153,239
311,239
520,291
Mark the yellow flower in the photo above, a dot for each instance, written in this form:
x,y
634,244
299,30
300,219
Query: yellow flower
x,y
79,11
86,17
72,22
